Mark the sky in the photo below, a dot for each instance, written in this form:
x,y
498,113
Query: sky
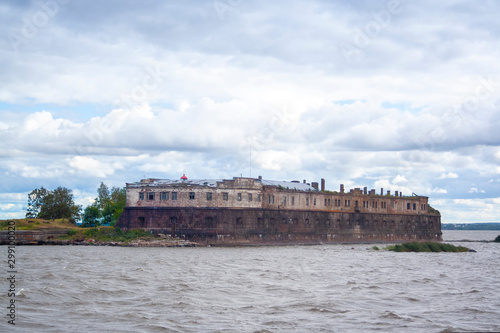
x,y
395,94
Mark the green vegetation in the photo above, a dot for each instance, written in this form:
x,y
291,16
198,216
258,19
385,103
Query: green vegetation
x,y
106,208
376,248
426,247
55,204
107,235
112,234
432,210
34,224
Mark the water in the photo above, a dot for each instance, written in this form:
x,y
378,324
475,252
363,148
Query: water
x,y
327,288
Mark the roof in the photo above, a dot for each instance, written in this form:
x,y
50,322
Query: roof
x,y
288,185
213,183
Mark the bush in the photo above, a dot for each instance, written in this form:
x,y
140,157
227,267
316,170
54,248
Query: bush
x,y
426,247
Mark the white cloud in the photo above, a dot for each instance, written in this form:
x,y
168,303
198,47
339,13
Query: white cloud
x,y
449,175
89,165
184,90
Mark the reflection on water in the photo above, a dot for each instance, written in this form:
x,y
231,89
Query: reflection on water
x,y
328,288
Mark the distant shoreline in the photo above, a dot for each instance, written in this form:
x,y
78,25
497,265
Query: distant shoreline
x,y
471,226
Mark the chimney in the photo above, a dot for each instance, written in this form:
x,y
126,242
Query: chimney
x,y
388,193
315,185
396,193
322,184
365,190
260,177
304,181
341,188
381,191
400,194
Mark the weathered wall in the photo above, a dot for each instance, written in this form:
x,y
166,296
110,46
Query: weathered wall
x,y
26,237
259,226
229,195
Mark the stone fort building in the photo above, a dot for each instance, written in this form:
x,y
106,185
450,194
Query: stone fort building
x,y
257,211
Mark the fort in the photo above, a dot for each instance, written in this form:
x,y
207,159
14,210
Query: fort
x,y
255,211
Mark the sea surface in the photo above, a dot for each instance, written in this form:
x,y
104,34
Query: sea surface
x,y
324,288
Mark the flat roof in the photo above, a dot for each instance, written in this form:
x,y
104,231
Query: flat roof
x,y
213,183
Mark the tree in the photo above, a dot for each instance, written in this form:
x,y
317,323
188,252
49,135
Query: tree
x,y
59,203
91,216
109,205
103,196
119,199
35,202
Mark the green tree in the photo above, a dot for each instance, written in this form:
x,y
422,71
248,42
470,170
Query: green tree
x,y
59,203
119,199
91,215
109,204
35,202
103,196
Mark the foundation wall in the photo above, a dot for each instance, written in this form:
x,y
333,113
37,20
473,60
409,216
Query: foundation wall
x,y
222,226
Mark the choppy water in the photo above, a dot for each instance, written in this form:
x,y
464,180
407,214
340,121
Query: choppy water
x,y
327,288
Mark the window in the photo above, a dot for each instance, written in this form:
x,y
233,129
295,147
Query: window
x,y
314,202
307,201
329,202
414,206
164,196
151,195
293,201
209,221
239,197
408,205
284,201
141,196
249,196
209,196
174,195
258,198
326,201
225,196
191,195
268,199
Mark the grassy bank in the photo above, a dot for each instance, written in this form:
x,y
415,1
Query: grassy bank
x,y
35,224
107,235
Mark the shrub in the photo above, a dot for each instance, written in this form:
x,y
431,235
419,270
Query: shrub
x,y
426,247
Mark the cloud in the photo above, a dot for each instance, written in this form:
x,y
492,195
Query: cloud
x,y
449,175
89,165
107,91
